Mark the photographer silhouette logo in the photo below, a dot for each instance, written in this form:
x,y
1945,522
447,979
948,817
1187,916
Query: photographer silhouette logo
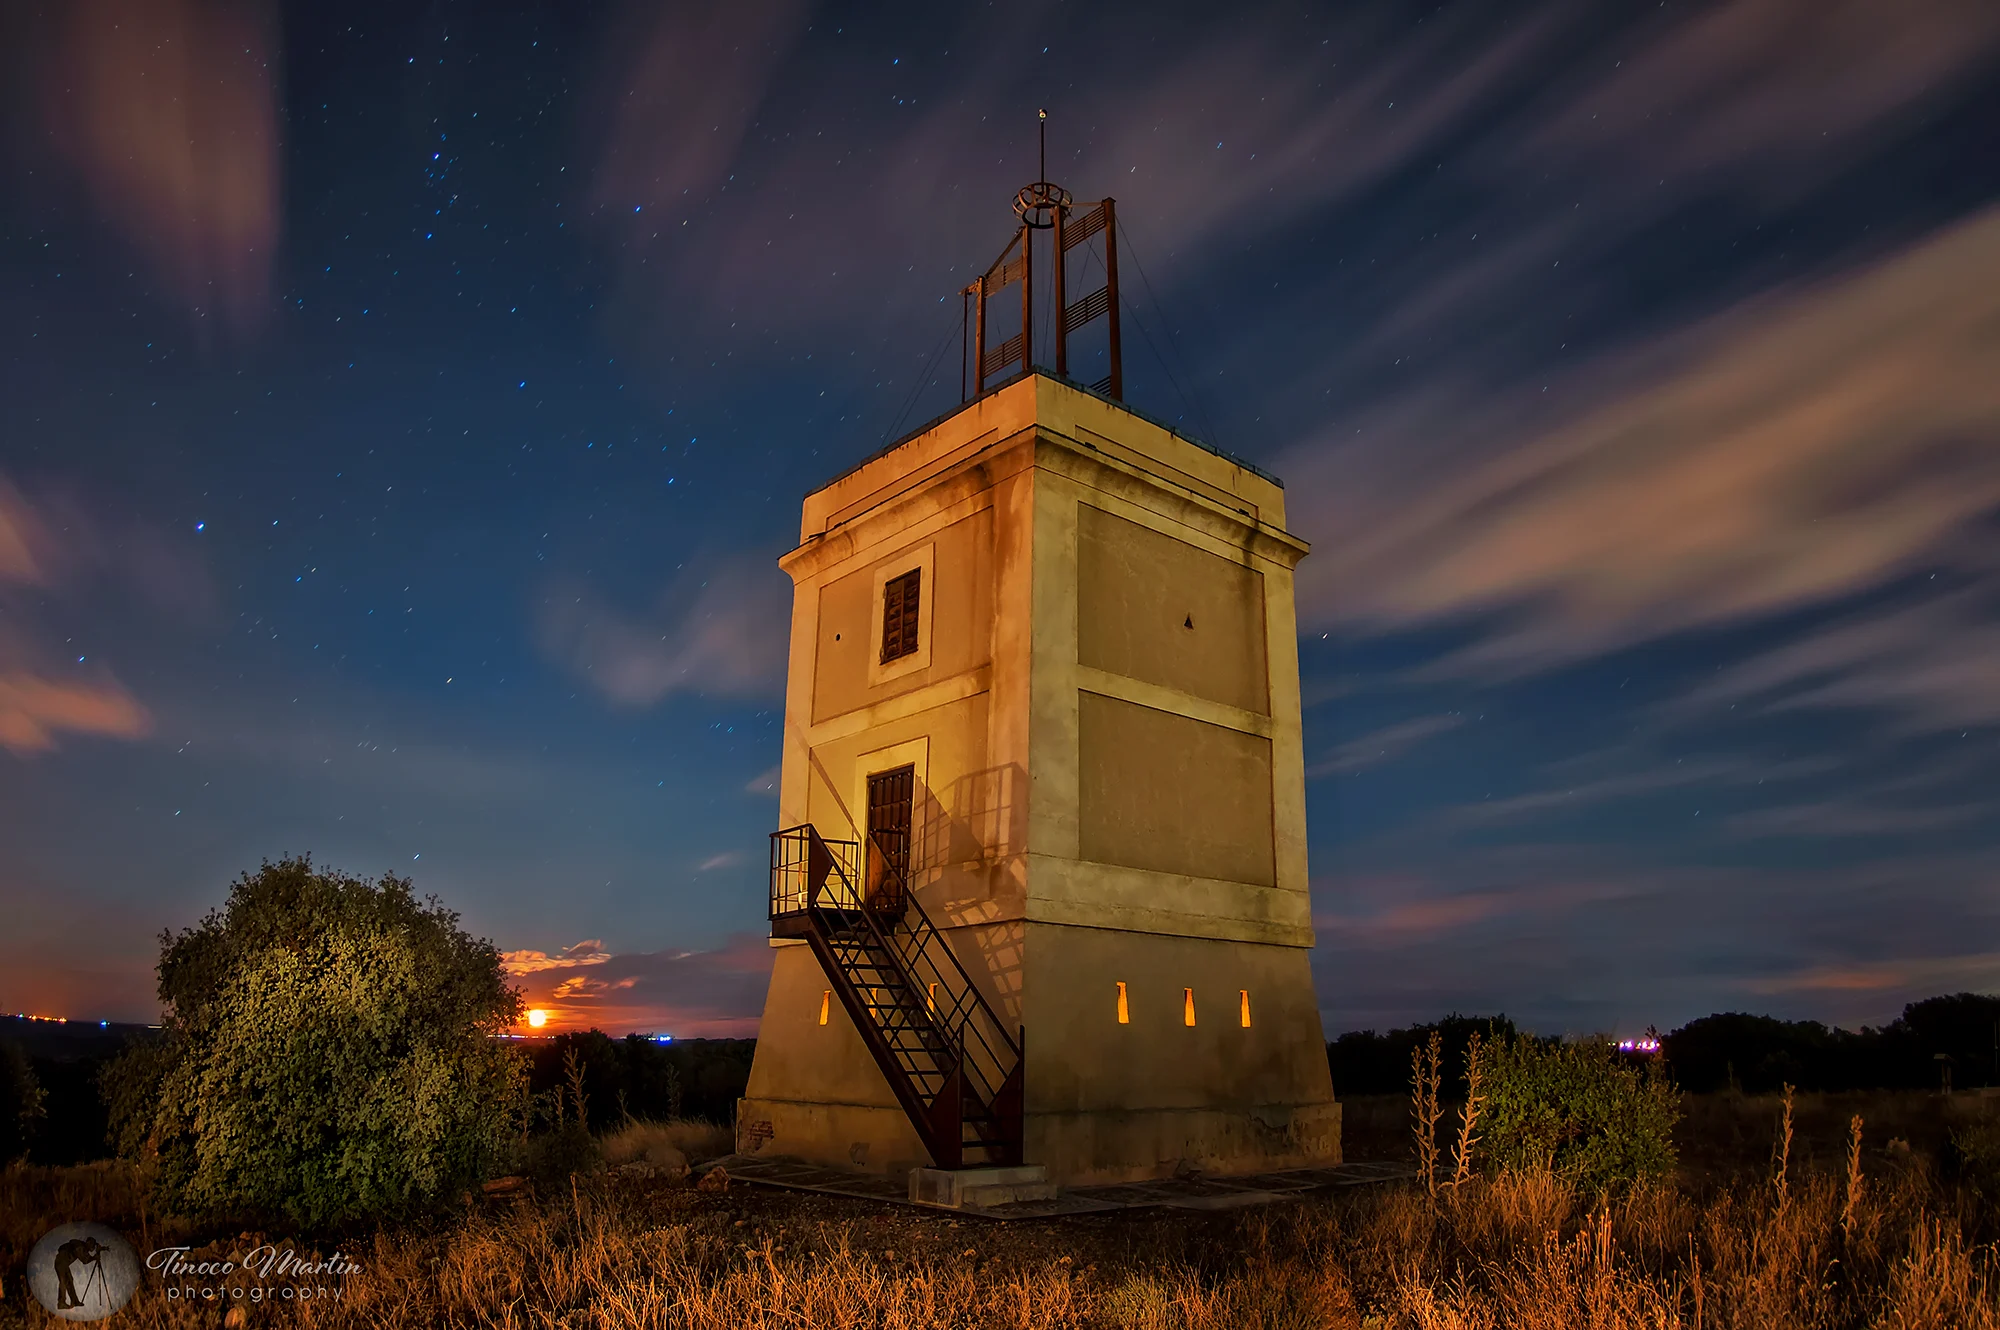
x,y
82,1272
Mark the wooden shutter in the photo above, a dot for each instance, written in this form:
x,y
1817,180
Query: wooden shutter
x,y
900,598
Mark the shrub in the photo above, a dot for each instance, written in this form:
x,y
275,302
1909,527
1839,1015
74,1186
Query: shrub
x,y
328,1054
1578,1110
1975,1152
21,1102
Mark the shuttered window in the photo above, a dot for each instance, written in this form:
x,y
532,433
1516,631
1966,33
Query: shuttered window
x,y
899,615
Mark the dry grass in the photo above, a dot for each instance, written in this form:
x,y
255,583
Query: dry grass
x,y
32,1199
669,1146
1519,1252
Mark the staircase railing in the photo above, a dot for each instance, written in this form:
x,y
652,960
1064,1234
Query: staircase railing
x,y
991,1053
974,1080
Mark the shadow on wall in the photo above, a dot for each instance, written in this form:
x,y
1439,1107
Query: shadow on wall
x,y
963,848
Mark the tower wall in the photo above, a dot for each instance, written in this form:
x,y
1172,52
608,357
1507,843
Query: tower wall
x,y
1103,717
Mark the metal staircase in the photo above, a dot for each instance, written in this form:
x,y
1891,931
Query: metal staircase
x,y
953,1065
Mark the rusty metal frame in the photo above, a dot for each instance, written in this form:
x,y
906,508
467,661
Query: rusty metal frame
x,y
1016,263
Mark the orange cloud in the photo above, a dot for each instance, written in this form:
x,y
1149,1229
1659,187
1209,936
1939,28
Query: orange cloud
x,y
34,710
715,993
58,545
166,110
1436,916
1930,973
588,952
20,535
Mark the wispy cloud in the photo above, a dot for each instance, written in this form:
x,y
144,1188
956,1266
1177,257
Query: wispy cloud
x,y
1220,113
684,87
19,534
1407,920
1586,790
166,112
1851,817
77,542
1775,93
1583,938
59,556
1385,744
1978,971
1929,665
721,634
1823,444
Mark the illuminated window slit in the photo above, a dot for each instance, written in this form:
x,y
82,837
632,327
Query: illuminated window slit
x,y
1187,1006
1124,1011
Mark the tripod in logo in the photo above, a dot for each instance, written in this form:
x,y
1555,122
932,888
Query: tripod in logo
x,y
86,1252
82,1272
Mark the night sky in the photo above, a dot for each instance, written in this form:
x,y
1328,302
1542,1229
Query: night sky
x,y
404,407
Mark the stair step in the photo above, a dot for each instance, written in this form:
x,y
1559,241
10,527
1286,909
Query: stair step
x,y
916,1035
980,1187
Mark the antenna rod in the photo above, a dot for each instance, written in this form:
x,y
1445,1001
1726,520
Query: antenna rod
x,y
1043,114
1116,353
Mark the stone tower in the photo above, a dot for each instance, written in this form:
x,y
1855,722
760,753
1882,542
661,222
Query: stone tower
x,y
1042,894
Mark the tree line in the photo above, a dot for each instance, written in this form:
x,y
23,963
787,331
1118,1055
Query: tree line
x,y
1947,1040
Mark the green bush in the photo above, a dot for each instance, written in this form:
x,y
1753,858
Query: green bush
x,y
328,1054
1579,1110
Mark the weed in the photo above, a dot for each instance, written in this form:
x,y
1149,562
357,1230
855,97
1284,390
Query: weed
x,y
1468,1113
1851,1204
1781,1152
1424,1110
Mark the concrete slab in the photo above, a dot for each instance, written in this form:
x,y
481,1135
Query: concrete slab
x,y
1192,1193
